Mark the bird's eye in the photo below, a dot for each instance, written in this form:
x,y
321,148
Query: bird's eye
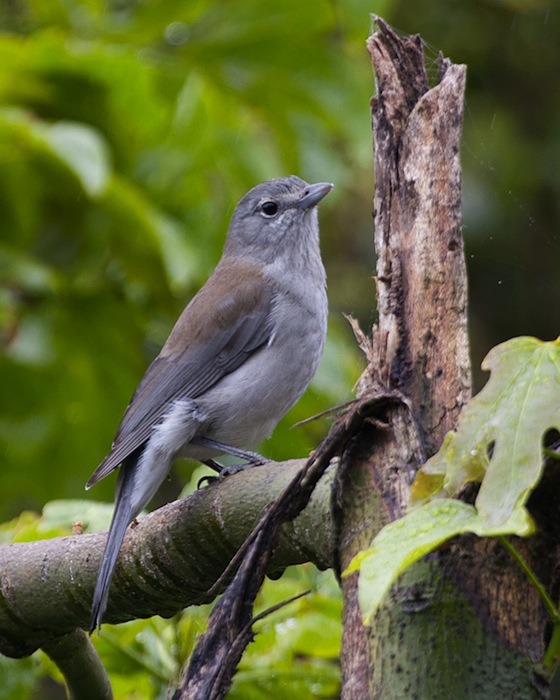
x,y
269,208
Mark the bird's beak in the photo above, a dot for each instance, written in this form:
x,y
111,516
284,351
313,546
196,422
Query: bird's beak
x,y
313,194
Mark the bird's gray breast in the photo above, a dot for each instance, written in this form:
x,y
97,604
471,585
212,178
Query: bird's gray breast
x,y
245,406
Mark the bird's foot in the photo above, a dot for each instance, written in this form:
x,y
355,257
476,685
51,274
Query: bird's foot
x,y
234,468
252,459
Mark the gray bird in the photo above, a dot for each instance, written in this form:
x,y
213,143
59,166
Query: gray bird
x,y
239,357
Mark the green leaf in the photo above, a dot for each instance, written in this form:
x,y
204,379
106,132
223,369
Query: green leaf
x,y
500,432
499,443
178,253
84,151
401,543
56,520
92,515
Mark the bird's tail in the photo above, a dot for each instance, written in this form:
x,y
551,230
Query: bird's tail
x,y
122,516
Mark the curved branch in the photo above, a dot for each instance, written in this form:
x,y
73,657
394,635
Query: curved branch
x,y
79,663
168,561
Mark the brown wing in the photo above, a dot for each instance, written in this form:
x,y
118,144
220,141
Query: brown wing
x,y
225,323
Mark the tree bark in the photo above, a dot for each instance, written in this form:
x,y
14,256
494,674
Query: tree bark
x,y
168,561
428,640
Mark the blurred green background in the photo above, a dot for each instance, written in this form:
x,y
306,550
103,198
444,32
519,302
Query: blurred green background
x,y
130,128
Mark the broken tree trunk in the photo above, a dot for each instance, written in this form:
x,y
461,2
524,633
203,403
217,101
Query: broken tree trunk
x,y
428,640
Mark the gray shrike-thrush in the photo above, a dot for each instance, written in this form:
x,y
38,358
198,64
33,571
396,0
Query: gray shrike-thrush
x,y
240,356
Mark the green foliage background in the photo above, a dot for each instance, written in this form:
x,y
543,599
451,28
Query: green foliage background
x,y
129,129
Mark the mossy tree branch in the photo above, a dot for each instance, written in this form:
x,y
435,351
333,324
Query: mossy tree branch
x,y
169,560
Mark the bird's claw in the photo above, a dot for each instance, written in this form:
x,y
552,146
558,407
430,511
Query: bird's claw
x,y
228,471
208,479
